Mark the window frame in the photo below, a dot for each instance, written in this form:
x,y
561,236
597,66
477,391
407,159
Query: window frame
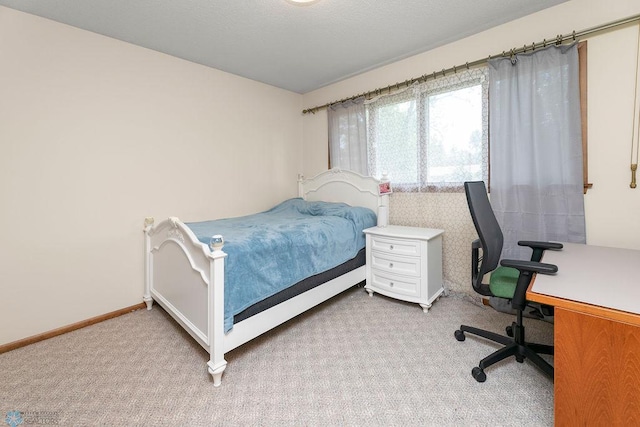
x,y
420,95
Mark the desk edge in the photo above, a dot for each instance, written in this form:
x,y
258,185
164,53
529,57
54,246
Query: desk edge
x,y
580,307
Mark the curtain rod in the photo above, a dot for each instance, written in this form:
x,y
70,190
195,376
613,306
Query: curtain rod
x,y
559,39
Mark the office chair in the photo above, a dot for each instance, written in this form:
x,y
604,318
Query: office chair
x,y
510,281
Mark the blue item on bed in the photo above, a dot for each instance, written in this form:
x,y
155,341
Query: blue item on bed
x,y
273,250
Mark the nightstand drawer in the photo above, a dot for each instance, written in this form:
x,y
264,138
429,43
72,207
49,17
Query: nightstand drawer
x,y
409,286
395,246
395,264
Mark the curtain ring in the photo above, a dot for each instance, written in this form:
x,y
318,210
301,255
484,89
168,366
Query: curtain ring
x,y
467,64
533,46
434,75
443,74
544,42
574,35
512,57
454,69
558,39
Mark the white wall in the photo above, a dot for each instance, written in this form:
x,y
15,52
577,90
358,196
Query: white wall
x,y
95,135
612,208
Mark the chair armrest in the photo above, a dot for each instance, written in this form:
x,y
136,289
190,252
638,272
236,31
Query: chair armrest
x,y
540,245
526,268
530,266
539,248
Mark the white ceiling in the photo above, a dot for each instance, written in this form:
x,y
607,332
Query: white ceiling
x,y
299,48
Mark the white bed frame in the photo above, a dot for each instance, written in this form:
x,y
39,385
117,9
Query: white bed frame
x,y
186,277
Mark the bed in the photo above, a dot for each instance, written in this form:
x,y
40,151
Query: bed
x,y
185,273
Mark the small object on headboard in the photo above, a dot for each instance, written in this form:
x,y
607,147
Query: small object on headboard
x,y
385,184
148,223
216,243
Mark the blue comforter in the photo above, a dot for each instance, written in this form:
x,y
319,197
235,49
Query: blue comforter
x,y
272,250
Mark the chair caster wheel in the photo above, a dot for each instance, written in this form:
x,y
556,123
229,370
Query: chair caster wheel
x,y
459,335
520,359
478,374
509,330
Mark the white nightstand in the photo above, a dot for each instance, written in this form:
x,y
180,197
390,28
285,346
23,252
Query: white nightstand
x,y
405,263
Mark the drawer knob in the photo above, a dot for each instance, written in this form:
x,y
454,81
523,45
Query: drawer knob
x,y
390,265
390,247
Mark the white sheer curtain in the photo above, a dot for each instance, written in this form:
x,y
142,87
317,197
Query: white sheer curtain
x,y
431,137
536,148
348,136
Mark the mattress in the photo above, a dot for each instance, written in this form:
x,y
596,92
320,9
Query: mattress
x,y
302,286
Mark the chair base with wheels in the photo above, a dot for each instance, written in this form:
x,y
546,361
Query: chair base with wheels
x,y
514,345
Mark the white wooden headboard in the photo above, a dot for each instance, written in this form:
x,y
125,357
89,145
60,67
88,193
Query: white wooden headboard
x,y
337,185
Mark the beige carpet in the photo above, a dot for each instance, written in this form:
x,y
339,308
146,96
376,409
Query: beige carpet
x,y
353,361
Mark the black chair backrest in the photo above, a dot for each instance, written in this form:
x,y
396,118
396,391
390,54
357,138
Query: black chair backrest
x,y
487,227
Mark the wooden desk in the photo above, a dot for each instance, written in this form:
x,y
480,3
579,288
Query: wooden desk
x,y
596,294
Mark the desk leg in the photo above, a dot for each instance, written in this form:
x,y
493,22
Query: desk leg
x,y
597,370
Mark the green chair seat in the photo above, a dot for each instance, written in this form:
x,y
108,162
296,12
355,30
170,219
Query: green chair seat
x,y
503,282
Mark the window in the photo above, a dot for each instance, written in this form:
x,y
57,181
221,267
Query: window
x,y
431,136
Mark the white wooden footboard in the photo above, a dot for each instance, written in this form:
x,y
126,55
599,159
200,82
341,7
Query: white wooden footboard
x,y
186,277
